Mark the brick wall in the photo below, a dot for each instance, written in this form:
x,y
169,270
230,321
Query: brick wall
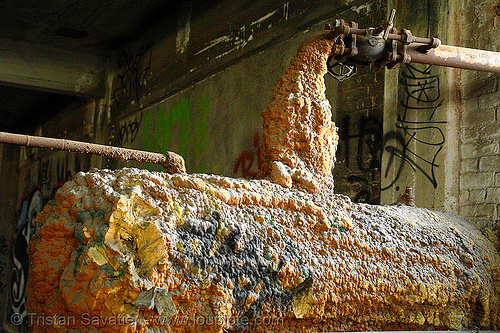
x,y
358,111
480,124
480,152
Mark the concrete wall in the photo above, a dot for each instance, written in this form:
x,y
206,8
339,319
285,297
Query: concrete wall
x,y
216,124
416,106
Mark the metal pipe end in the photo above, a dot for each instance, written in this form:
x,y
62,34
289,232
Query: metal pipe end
x,y
174,163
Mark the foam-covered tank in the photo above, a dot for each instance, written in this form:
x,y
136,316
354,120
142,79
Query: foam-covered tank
x,y
137,251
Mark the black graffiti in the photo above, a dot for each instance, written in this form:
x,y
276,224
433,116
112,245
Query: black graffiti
x,y
64,173
478,88
20,259
128,130
133,72
364,195
421,94
4,251
44,176
368,147
50,178
368,154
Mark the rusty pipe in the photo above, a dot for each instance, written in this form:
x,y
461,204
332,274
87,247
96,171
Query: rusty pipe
x,y
345,29
395,47
457,57
172,162
422,40
442,55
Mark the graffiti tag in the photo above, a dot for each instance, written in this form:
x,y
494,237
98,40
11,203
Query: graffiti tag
x,y
368,154
247,159
128,130
421,94
133,72
19,272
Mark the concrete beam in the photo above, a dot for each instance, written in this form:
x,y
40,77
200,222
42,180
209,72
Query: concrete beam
x,y
51,68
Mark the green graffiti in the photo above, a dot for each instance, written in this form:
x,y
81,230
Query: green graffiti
x,y
184,126
147,139
180,115
200,131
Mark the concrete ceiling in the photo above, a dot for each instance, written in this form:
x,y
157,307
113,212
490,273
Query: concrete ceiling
x,y
50,49
90,25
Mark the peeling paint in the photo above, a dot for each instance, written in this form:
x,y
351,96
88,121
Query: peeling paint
x,y
458,57
265,17
283,10
239,45
239,38
184,30
358,9
215,42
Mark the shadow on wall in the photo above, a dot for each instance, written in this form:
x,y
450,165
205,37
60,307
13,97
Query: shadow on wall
x,y
26,228
46,189
421,96
416,142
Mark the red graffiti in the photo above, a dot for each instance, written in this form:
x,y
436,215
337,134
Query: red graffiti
x,y
247,159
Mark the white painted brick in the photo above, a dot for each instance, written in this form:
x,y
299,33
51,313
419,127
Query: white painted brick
x,y
476,88
470,105
477,180
488,100
469,165
464,196
493,195
477,149
482,222
489,131
482,116
478,210
477,196
489,163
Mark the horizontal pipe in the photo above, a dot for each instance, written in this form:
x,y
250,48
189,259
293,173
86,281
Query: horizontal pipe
x,y
346,30
422,40
456,57
172,162
466,331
